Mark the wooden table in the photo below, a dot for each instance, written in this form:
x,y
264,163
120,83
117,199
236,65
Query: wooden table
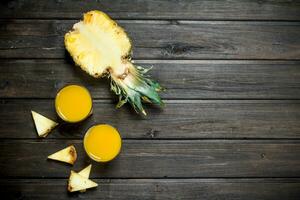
x,y
231,125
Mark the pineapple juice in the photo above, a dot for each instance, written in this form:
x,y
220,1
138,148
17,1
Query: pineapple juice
x,y
73,103
102,143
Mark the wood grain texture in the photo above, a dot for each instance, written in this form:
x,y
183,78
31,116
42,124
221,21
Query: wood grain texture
x,y
159,159
162,39
203,144
158,9
179,119
183,79
164,189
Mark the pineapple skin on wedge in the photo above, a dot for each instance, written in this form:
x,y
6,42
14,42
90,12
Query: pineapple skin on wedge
x,y
102,48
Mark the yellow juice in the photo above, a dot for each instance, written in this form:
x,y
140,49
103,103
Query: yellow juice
x,y
102,143
73,103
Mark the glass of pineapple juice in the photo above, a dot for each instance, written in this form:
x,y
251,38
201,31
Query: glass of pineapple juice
x,y
73,103
102,143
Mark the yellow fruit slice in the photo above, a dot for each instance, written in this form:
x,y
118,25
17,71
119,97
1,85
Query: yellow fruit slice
x,y
78,182
85,173
43,124
67,155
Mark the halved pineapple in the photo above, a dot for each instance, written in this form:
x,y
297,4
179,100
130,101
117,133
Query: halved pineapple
x,y
101,47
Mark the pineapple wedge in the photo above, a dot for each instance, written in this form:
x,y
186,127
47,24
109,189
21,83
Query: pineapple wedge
x,y
102,48
78,182
43,125
85,173
67,155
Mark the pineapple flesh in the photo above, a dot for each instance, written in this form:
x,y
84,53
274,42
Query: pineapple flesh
x,y
102,48
85,173
78,183
67,155
43,124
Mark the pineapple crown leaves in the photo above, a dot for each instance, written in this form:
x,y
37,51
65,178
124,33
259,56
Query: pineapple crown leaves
x,y
142,89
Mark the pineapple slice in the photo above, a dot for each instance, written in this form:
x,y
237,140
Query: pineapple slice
x,y
85,173
43,125
78,182
67,155
102,48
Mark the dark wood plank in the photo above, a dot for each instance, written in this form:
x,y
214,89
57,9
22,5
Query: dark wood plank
x,y
163,39
136,189
179,119
185,79
158,158
159,9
